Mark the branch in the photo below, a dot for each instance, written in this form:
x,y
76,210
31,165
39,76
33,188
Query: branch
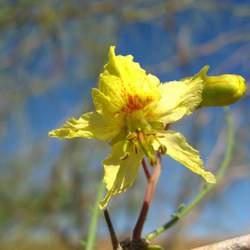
x,y
237,243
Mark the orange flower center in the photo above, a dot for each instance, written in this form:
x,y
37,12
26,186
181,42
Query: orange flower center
x,y
135,102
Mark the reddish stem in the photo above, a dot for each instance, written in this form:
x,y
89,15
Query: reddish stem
x,y
145,168
152,181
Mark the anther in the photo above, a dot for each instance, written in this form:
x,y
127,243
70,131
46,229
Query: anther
x,y
153,160
124,157
131,136
167,126
162,149
140,136
150,133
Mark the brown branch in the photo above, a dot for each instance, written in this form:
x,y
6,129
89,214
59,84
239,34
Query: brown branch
x,y
238,243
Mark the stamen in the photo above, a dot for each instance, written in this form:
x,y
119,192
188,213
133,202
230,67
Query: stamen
x,y
166,127
125,156
136,148
140,136
131,136
150,133
162,149
125,146
153,160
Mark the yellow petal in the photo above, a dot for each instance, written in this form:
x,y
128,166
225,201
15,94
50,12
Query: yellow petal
x,y
89,125
124,81
178,98
181,151
120,173
107,104
124,67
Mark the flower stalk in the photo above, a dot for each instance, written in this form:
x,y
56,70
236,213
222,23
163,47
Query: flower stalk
x,y
145,168
149,194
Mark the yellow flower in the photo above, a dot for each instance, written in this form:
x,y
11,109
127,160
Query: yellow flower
x,y
132,110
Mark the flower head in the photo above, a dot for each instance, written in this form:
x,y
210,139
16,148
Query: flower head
x,y
132,109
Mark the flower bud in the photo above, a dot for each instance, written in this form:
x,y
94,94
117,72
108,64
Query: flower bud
x,y
221,90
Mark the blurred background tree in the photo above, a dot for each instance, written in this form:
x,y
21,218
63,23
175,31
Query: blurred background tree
x,y
51,54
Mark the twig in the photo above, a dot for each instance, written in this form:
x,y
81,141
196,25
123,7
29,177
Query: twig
x,y
114,240
152,181
94,220
184,210
238,243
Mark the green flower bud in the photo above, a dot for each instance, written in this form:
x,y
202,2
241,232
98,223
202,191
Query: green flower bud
x,y
221,90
